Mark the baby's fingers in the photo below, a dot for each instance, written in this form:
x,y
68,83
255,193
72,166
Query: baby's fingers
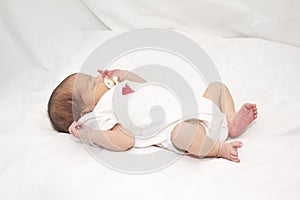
x,y
107,73
100,71
73,129
110,73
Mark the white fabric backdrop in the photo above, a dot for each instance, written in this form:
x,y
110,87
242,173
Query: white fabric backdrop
x,y
43,41
276,20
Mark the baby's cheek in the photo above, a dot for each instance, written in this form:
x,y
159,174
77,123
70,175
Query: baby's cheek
x,y
100,90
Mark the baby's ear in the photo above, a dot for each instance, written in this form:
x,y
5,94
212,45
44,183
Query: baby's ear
x,y
86,111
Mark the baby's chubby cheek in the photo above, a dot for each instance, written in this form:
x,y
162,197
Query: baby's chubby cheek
x,y
99,92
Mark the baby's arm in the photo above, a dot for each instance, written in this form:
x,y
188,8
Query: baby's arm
x,y
116,139
127,75
122,75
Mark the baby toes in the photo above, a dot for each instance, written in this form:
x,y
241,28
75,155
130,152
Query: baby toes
x,y
255,112
234,152
237,144
236,159
248,105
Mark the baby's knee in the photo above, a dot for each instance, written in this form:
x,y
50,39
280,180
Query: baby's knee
x,y
184,134
216,85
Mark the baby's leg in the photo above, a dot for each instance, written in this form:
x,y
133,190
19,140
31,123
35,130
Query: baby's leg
x,y
191,137
220,95
237,122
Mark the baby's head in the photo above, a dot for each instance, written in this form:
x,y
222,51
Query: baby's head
x,y
75,96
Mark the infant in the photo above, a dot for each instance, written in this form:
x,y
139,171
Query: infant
x,y
81,97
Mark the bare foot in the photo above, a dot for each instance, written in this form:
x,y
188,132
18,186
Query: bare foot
x,y
229,151
242,119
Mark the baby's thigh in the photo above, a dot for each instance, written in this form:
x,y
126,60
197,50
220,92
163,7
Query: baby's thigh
x,y
214,92
186,134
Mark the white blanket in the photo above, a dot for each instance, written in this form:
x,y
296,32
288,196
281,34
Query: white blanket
x,y
42,42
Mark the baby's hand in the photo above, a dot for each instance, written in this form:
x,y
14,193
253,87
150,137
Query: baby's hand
x,y
111,77
119,73
73,129
109,73
78,126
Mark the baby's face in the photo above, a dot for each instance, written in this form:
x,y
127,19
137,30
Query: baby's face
x,y
90,88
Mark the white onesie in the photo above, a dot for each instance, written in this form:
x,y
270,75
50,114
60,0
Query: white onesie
x,y
151,112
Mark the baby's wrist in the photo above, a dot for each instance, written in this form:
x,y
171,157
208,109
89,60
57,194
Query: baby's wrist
x,y
121,74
